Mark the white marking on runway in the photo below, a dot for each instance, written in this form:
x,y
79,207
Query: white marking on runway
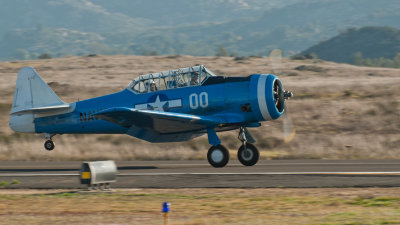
x,y
167,174
36,174
267,173
280,164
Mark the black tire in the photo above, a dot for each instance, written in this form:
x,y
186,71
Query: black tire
x,y
218,156
249,158
49,145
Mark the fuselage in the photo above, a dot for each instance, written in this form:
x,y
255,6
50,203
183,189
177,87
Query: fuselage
x,y
241,101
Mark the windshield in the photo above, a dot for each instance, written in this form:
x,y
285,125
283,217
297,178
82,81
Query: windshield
x,y
184,77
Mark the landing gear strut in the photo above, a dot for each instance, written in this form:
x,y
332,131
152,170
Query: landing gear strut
x,y
248,154
49,144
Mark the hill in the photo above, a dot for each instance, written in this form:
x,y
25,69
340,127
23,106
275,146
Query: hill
x,y
125,15
30,43
371,42
242,27
182,12
298,26
81,15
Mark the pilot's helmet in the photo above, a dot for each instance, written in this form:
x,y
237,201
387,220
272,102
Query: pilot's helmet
x,y
149,82
194,79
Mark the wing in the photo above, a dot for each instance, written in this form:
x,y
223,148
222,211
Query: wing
x,y
160,122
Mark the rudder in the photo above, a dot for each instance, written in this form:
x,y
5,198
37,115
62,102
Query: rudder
x,y
31,92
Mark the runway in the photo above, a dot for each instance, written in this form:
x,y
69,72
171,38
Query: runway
x,y
199,174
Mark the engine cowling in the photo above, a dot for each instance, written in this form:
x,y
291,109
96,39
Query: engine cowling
x,y
267,97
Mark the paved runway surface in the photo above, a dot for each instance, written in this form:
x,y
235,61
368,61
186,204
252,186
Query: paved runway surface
x,y
199,174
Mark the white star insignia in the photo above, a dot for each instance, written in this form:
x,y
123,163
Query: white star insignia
x,y
158,105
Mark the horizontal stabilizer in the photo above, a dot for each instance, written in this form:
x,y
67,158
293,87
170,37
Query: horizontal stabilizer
x,y
160,122
46,109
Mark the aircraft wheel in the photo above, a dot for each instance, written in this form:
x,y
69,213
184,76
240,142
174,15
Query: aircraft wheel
x,y
218,156
248,156
49,145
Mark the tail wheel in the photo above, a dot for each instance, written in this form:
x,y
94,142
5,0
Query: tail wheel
x,y
49,145
248,156
218,156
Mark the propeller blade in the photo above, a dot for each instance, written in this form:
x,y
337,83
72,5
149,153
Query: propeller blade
x,y
288,129
275,58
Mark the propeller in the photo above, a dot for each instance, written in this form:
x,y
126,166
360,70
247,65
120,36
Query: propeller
x,y
275,58
280,95
288,129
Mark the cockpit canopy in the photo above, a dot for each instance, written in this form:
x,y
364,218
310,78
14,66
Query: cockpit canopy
x,y
179,78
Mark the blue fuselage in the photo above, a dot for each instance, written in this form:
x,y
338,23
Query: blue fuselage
x,y
237,100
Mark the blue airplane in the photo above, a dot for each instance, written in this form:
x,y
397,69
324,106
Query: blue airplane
x,y
170,106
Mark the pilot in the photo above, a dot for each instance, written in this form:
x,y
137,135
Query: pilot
x,y
153,86
194,80
150,86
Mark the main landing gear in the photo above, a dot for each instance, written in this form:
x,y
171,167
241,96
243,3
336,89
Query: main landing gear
x,y
248,155
218,156
49,144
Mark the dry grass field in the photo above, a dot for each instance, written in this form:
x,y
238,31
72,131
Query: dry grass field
x,y
340,111
203,206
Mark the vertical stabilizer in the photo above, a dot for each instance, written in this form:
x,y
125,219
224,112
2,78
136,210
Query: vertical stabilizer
x,y
30,92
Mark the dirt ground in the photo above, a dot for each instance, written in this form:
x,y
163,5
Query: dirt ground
x,y
339,111
203,206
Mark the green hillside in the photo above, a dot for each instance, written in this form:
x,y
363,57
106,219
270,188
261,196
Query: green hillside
x,y
242,27
183,12
366,42
291,28
81,15
30,43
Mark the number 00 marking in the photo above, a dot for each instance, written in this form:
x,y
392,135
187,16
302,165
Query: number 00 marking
x,y
203,99
195,99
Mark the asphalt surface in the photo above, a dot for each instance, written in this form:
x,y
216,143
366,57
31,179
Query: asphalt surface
x,y
199,174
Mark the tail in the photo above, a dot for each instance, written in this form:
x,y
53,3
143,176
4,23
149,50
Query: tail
x,y
32,96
